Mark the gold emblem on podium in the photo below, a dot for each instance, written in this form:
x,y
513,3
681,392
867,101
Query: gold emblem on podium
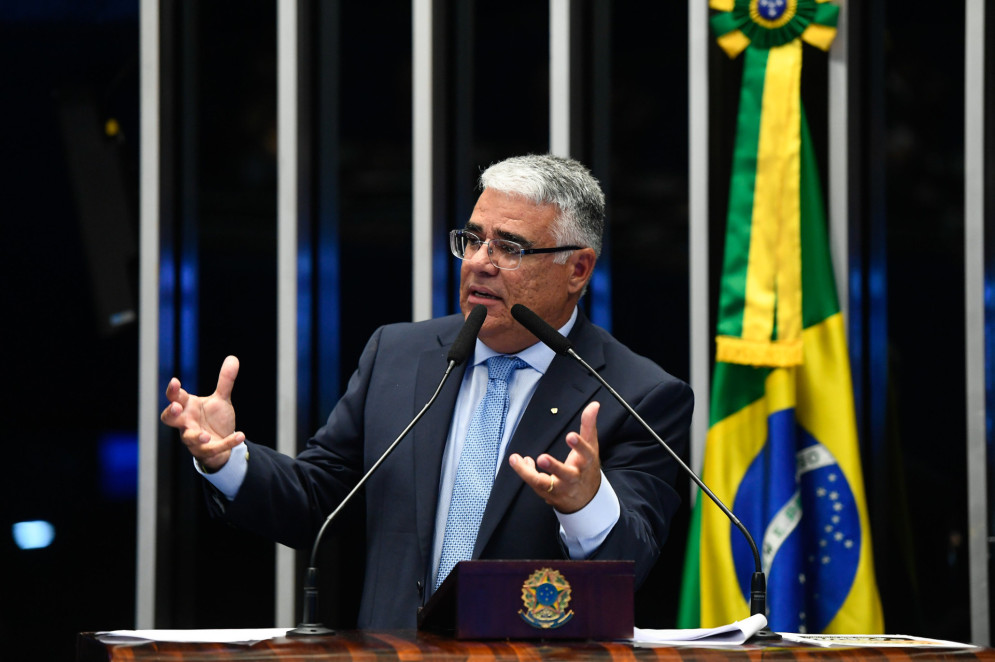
x,y
546,595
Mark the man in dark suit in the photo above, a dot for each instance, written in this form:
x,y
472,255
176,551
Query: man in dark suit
x,y
567,477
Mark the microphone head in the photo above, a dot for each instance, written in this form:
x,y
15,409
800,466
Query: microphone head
x,y
467,337
538,327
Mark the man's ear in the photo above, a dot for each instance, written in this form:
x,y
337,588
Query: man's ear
x,y
582,266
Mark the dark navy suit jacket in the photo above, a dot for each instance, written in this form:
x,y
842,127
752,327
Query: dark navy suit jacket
x,y
287,499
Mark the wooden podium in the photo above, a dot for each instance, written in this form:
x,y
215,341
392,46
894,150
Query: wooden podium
x,y
502,611
418,646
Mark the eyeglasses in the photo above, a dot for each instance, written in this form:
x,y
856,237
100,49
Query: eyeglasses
x,y
502,253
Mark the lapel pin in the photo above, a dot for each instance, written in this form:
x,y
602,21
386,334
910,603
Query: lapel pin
x,y
554,410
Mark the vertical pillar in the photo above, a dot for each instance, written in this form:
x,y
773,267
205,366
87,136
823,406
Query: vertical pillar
x,y
559,77
148,341
974,311
698,39
287,217
421,154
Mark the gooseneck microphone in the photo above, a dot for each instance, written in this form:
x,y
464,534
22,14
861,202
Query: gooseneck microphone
x,y
459,352
561,345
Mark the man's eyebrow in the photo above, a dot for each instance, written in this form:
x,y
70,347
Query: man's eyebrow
x,y
502,234
517,238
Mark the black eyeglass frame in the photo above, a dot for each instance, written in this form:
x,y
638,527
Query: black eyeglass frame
x,y
454,236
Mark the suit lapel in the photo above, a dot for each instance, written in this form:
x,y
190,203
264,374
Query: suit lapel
x,y
432,431
566,388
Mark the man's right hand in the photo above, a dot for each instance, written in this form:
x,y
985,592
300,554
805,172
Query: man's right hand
x,y
206,424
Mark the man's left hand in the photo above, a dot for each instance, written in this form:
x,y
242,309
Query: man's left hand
x,y
567,486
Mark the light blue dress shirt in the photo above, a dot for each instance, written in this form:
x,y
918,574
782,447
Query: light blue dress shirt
x,y
583,531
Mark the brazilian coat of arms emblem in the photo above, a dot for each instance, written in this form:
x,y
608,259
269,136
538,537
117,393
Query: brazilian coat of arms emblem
x,y
546,596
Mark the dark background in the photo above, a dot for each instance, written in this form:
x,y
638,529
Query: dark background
x,y
69,262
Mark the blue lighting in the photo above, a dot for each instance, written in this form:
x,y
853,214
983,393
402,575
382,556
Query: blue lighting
x,y
119,465
36,534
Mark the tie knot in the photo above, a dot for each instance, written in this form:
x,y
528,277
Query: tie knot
x,y
500,367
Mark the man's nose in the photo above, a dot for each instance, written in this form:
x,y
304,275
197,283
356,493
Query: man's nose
x,y
481,259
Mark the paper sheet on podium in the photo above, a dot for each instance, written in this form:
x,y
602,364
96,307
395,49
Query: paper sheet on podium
x,y
734,634
238,636
875,640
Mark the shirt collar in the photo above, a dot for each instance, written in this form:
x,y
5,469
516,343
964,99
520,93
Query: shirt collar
x,y
538,356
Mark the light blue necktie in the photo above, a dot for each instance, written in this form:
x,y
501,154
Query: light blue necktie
x,y
477,466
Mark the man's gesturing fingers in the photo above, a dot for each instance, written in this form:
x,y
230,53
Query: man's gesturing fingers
x,y
585,442
210,418
525,467
567,486
211,451
226,378
178,399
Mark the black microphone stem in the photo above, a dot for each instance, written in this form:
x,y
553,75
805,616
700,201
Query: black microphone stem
x,y
386,454
310,626
687,469
459,351
758,583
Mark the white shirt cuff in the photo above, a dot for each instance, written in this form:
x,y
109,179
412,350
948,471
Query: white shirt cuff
x,y
584,531
229,478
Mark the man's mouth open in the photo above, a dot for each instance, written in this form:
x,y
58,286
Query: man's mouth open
x,y
479,294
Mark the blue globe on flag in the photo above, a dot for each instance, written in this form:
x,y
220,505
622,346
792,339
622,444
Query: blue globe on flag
x,y
797,503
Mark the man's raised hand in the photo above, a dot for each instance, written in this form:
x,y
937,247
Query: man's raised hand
x,y
567,486
206,424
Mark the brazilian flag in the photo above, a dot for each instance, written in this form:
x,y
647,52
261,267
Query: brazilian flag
x,y
782,447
